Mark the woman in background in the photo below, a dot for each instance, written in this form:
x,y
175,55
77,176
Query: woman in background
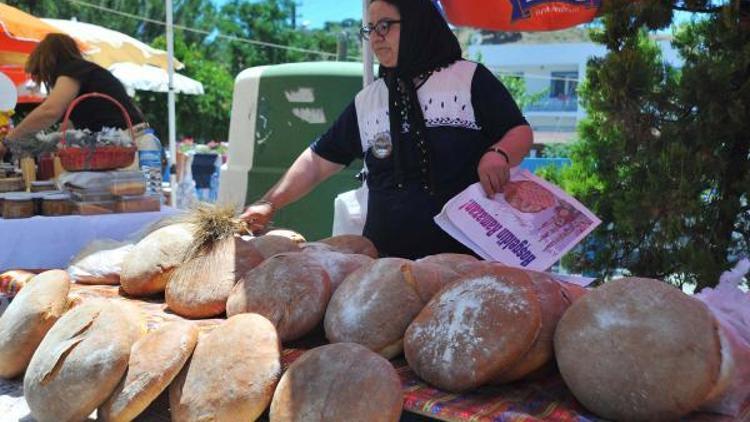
x,y
58,63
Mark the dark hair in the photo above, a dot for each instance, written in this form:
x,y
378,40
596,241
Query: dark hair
x,y
52,51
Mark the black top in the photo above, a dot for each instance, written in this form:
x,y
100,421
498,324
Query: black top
x,y
95,113
400,221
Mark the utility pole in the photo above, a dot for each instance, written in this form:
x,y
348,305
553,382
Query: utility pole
x,y
293,13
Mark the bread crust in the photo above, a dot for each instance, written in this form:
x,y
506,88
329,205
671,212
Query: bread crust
x,y
245,353
639,349
29,317
338,382
292,290
155,360
474,329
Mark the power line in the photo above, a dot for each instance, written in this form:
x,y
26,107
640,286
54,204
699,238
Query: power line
x,y
202,32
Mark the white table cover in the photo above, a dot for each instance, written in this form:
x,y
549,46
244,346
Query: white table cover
x,y
51,242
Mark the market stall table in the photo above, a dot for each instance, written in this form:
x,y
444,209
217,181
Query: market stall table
x,y
546,399
51,242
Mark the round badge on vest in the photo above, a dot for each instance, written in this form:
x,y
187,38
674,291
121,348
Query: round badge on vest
x,y
382,147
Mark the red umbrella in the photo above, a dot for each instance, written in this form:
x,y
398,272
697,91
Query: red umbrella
x,y
520,15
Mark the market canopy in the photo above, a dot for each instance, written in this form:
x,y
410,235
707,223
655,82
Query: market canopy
x,y
20,32
108,47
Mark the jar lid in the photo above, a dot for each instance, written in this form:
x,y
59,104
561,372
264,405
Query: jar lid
x,y
57,197
18,196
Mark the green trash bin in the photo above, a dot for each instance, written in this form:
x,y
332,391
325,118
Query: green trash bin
x,y
277,112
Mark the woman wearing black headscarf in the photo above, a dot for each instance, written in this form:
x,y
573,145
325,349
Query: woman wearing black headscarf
x,y
432,125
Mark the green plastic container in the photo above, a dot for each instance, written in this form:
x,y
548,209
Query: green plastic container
x,y
277,112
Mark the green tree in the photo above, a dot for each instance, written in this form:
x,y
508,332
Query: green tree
x,y
663,156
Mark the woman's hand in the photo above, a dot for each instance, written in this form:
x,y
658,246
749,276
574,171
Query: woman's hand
x,y
258,215
494,172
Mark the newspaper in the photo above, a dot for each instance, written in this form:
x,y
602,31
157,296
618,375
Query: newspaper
x,y
531,224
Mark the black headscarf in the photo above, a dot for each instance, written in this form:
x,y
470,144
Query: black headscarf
x,y
426,45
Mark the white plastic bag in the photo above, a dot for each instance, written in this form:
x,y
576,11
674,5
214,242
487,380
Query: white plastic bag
x,y
350,211
731,307
99,263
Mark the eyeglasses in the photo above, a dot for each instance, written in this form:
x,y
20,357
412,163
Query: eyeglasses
x,y
381,28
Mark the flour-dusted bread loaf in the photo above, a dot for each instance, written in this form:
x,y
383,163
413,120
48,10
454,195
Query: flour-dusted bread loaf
x,y
154,362
351,243
199,288
146,269
338,382
637,349
292,290
270,245
473,330
81,360
375,304
338,265
28,318
232,374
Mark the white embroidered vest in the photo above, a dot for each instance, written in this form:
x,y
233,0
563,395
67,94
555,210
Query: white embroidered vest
x,y
445,100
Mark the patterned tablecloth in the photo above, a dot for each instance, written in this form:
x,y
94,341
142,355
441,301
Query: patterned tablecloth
x,y
545,399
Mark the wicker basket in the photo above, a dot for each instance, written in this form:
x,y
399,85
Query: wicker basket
x,y
96,157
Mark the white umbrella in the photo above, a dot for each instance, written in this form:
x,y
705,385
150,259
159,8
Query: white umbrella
x,y
151,78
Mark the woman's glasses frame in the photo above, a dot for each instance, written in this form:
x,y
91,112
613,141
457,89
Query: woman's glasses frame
x,y
381,28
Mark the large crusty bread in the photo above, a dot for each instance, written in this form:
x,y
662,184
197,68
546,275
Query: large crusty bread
x,y
199,288
81,360
28,318
147,267
638,349
338,382
473,330
375,304
351,243
290,289
232,374
155,360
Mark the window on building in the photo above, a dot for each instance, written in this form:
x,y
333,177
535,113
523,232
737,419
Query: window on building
x,y
563,85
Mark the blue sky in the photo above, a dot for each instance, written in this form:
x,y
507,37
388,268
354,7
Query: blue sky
x,y
317,12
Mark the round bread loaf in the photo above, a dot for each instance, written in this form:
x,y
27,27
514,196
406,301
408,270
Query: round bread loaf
x,y
352,243
638,349
375,304
199,288
338,382
147,267
338,265
81,360
552,305
290,289
101,266
28,318
154,361
473,330
232,374
270,245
